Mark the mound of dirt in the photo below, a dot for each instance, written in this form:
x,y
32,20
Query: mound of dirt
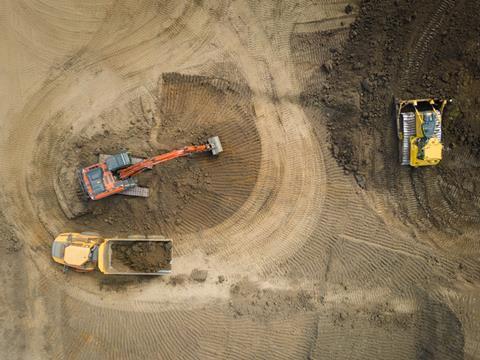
x,y
142,256
387,56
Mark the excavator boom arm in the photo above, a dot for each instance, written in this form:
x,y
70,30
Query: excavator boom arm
x,y
151,162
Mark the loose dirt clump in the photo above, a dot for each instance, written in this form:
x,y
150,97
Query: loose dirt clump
x,y
199,275
142,256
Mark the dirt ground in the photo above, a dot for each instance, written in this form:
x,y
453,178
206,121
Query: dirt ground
x,y
376,65
304,239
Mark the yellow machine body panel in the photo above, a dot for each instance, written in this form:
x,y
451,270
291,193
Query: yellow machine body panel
x,y
432,153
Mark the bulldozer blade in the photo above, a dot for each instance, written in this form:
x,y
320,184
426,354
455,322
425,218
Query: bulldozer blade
x,y
216,145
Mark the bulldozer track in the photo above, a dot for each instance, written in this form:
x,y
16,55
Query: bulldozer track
x,y
421,47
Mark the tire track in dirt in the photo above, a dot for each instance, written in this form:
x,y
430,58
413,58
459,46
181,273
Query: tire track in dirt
x,y
428,200
428,34
376,266
48,171
300,202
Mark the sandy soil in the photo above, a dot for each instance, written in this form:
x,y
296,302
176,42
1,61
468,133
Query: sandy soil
x,y
304,240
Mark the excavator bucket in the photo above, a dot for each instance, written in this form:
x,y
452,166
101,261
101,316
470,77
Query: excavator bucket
x,y
216,145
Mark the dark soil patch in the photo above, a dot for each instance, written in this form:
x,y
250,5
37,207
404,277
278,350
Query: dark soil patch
x,y
407,49
142,256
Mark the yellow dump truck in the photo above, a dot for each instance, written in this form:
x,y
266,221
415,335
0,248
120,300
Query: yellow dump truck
x,y
133,255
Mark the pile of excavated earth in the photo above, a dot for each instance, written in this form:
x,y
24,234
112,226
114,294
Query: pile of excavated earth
x,y
180,111
140,256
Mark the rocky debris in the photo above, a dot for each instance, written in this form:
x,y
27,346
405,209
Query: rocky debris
x,y
366,85
247,299
199,275
360,180
179,279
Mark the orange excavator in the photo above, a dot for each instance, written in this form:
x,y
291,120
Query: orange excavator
x,y
114,174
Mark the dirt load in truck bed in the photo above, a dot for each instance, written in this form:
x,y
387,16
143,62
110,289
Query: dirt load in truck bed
x,y
142,256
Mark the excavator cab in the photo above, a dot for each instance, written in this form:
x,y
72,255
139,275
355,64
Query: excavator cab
x,y
99,180
419,124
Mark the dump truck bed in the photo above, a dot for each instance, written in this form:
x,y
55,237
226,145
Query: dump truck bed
x,y
144,256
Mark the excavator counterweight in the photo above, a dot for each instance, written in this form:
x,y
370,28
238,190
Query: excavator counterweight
x,y
114,175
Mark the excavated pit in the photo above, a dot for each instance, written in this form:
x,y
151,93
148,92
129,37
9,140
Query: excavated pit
x,y
186,194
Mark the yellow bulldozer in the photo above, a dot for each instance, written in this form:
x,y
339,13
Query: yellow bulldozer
x,y
419,124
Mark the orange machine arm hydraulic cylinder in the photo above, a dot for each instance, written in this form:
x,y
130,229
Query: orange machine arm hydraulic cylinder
x,y
151,162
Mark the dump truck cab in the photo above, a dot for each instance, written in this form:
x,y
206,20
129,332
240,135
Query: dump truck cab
x,y
77,251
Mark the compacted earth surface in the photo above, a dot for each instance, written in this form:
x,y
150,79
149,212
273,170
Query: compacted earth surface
x,y
304,239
